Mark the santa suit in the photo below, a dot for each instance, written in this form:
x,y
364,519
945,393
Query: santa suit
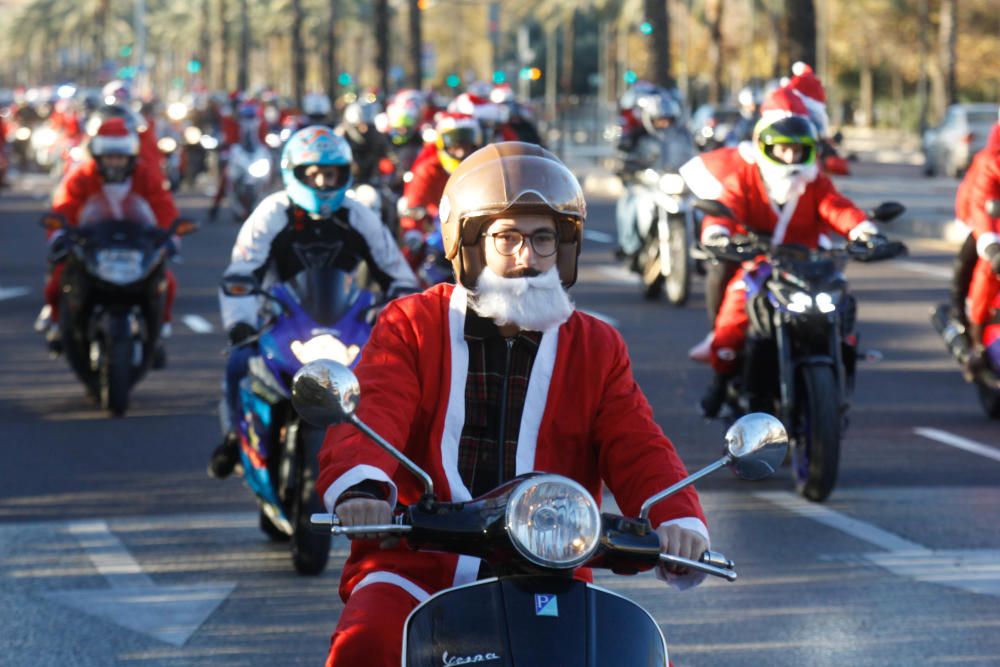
x,y
424,190
804,219
584,417
83,182
985,185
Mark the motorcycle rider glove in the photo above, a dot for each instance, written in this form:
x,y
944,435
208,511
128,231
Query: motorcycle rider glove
x,y
864,231
240,332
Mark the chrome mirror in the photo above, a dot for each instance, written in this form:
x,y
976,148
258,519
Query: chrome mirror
x,y
325,393
757,444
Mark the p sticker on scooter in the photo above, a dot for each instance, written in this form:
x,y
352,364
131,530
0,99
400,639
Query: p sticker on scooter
x,y
546,605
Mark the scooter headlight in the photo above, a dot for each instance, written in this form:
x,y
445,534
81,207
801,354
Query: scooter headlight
x,y
324,346
799,302
177,111
208,142
672,184
23,133
167,144
192,134
259,168
553,522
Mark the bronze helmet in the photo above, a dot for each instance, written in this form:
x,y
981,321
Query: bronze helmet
x,y
505,179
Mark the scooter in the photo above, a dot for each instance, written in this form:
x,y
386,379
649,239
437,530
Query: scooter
x,y
111,303
534,530
318,314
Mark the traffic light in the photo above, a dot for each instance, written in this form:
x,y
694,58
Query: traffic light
x,y
194,66
344,79
454,80
646,28
630,77
535,74
125,51
499,76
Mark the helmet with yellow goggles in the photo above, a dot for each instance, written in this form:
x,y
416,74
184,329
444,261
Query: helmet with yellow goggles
x,y
787,131
458,136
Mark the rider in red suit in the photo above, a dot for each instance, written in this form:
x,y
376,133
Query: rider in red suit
x,y
779,191
458,135
113,172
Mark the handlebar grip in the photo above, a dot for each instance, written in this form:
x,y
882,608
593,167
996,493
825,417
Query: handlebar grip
x,y
724,572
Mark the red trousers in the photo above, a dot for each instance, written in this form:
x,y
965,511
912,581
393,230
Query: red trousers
x,y
370,630
983,292
52,292
730,326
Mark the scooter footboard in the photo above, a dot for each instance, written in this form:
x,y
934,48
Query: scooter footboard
x,y
532,622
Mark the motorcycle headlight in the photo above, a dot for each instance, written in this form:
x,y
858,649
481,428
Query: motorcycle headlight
x,y
553,522
826,302
259,168
119,266
177,111
167,144
324,346
273,140
672,184
799,302
192,134
208,142
23,133
46,136
77,154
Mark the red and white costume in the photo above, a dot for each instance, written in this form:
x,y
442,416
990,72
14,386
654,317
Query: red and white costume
x,y
584,417
980,186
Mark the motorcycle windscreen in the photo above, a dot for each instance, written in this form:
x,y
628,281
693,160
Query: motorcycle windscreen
x,y
102,208
325,293
532,622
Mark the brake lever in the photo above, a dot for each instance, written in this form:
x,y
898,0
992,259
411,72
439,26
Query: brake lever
x,y
330,523
715,564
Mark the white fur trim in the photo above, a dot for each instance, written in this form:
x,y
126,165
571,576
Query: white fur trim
x,y
466,571
535,400
691,579
701,181
714,231
455,414
356,475
984,241
862,229
394,579
799,68
746,151
785,217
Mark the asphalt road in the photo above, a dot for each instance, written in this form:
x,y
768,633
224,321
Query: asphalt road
x,y
117,549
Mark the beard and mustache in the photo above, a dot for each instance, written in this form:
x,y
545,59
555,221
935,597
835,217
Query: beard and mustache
x,y
526,298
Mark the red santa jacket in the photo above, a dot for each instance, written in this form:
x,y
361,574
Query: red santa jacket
x,y
804,219
424,189
584,417
981,183
84,181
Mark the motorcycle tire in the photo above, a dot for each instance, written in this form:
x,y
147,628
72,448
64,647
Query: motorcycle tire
x,y
678,283
989,399
116,367
816,456
649,269
310,549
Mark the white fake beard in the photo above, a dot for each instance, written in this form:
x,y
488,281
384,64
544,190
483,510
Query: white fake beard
x,y
785,181
538,303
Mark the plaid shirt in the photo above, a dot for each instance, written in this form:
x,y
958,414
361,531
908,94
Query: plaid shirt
x,y
495,389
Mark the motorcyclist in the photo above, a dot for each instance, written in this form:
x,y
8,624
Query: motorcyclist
x,y
458,135
441,365
663,144
116,98
316,171
402,118
810,89
115,170
517,120
368,145
984,187
231,131
777,189
317,109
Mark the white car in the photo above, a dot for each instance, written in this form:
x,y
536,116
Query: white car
x,y
949,147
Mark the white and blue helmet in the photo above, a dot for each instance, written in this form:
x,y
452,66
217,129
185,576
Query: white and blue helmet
x,y
315,144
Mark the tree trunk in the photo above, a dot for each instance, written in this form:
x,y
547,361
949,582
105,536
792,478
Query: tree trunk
x,y
947,39
332,73
205,49
713,15
568,44
658,43
922,88
223,76
382,44
801,31
298,49
866,94
243,66
416,46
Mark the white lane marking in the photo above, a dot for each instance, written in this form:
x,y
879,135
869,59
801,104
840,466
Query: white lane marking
x,y
13,292
198,324
599,237
607,319
863,531
926,269
170,614
970,570
959,442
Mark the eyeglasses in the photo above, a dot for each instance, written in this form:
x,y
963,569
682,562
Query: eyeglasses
x,y
509,241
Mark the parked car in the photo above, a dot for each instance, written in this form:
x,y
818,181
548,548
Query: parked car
x,y
949,147
714,126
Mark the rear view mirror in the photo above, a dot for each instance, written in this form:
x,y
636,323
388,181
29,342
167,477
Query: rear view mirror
x,y
993,208
714,208
239,285
52,221
886,211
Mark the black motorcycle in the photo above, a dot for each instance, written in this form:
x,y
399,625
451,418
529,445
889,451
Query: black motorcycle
x,y
534,531
111,294
801,351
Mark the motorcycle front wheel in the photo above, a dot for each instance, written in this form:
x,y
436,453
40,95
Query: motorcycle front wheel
x,y
989,399
310,549
678,282
116,366
816,455
650,269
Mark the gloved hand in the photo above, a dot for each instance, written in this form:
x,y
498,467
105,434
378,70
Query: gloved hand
x,y
58,248
864,232
716,239
240,332
992,254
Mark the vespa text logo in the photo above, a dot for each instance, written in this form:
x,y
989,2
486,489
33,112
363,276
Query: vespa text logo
x,y
468,659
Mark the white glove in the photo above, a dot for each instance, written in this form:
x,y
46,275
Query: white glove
x,y
864,231
715,235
